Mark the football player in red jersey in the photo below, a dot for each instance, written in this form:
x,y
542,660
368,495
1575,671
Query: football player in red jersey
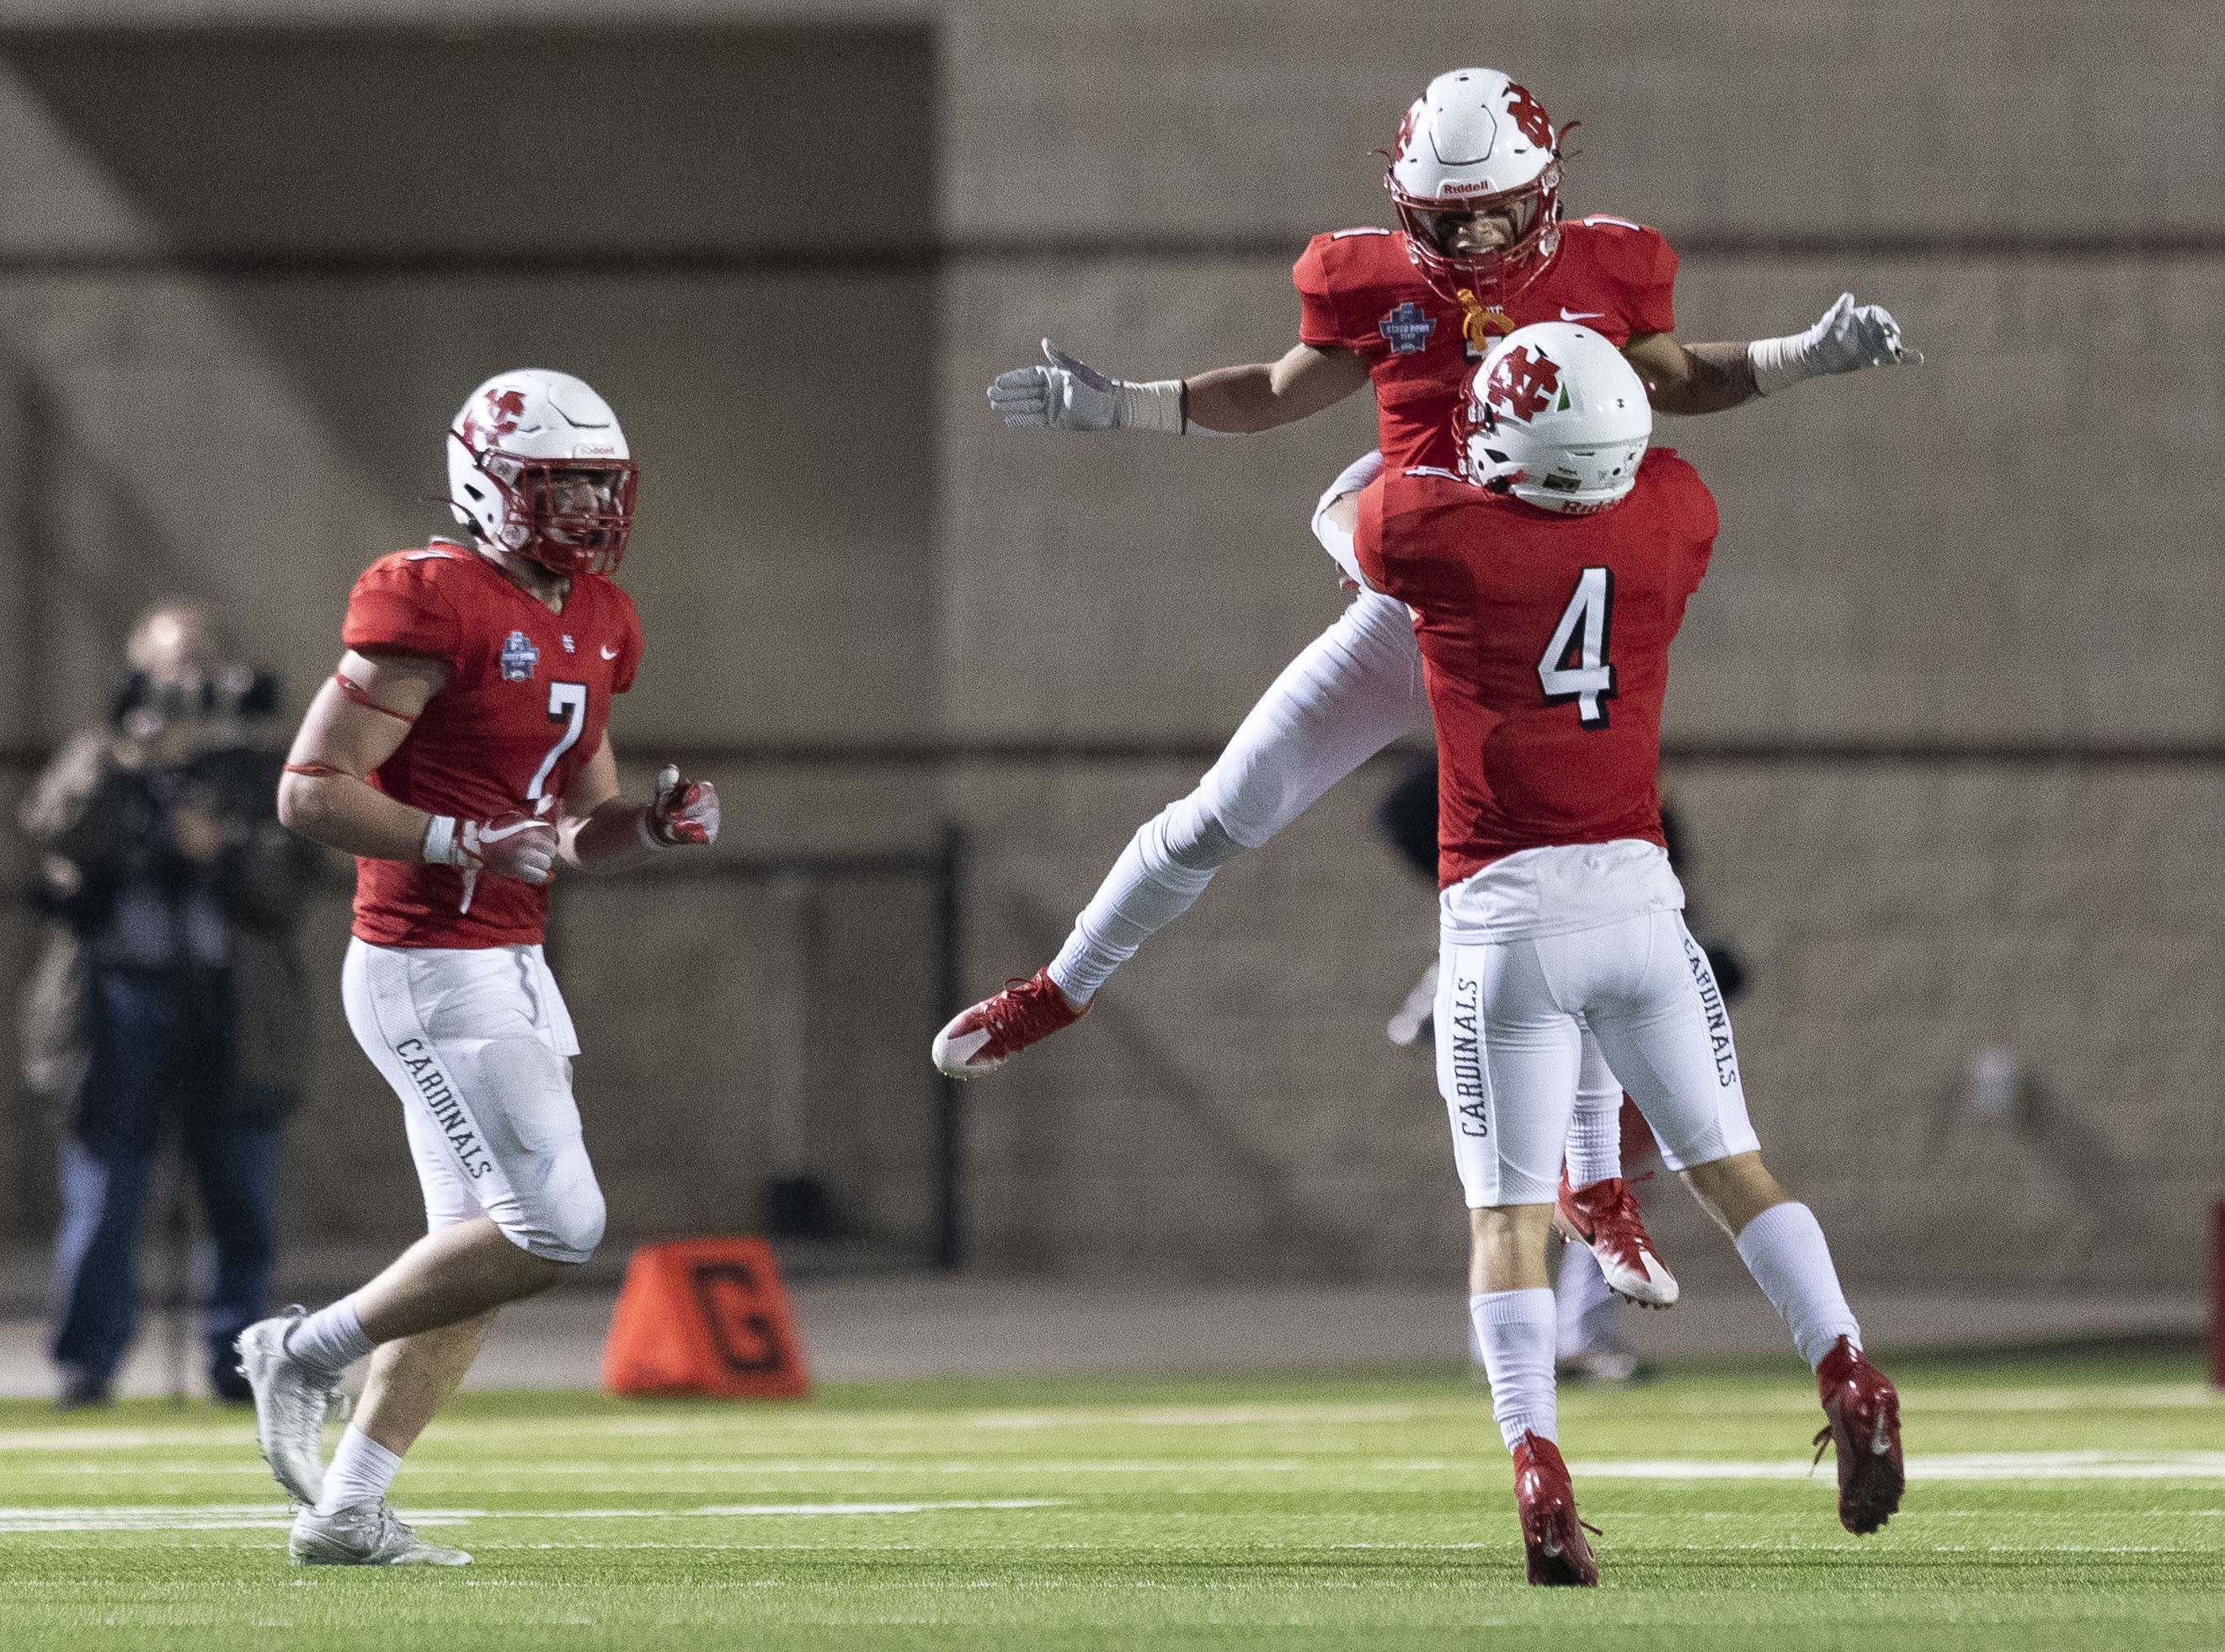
x,y
1475,180
461,751
1547,580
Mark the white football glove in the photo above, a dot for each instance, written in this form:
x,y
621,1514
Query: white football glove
x,y
684,812
512,845
1846,339
1071,394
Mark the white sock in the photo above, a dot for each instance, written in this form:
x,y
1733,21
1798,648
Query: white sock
x,y
361,1470
1582,1305
1784,1249
1158,877
329,1340
1516,1330
1594,1139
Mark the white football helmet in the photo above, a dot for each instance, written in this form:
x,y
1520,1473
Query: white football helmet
x,y
1558,418
1475,142
538,465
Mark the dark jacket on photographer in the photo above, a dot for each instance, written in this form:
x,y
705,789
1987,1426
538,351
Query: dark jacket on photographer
x,y
120,891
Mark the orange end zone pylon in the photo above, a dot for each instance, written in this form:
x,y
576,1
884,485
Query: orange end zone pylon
x,y
707,1316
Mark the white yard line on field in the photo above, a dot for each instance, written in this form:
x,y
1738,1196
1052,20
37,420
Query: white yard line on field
x,y
247,1516
1967,1465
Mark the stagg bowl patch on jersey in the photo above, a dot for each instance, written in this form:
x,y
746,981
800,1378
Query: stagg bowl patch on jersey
x,y
1407,329
518,657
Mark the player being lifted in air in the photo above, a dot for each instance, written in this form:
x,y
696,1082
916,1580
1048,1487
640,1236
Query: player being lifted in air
x,y
1475,180
1547,580
461,751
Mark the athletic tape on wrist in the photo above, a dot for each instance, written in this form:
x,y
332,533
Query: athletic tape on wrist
x,y
441,841
1156,404
1778,363
641,826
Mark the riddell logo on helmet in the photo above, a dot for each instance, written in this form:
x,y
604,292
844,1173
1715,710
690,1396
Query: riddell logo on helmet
x,y
504,412
1522,385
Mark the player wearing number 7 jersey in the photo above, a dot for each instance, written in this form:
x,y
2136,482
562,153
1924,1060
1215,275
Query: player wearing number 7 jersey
x,y
1547,581
461,751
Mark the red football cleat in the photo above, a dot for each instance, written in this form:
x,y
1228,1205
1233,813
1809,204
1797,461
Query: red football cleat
x,y
1553,1545
1865,1430
1603,1218
996,1029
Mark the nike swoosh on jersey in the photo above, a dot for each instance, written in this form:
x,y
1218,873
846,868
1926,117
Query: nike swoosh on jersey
x,y
608,652
1568,314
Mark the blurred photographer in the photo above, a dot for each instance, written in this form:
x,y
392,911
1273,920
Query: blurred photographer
x,y
166,994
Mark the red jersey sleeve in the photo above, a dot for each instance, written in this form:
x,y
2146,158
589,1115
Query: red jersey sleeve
x,y
396,607
1319,324
629,650
1641,262
1696,515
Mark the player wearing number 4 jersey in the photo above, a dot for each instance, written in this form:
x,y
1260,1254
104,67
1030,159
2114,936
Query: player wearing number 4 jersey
x,y
1475,180
1547,581
461,751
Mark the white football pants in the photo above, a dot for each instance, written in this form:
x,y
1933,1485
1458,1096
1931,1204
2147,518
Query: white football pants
x,y
1354,690
1510,1024
477,1042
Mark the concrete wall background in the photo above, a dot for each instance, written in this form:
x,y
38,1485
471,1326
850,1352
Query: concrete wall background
x,y
2013,542
2010,543
259,434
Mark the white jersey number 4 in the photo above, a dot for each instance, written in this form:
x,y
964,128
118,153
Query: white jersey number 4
x,y
1575,665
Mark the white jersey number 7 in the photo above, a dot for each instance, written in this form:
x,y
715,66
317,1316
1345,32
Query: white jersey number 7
x,y
1575,665
567,704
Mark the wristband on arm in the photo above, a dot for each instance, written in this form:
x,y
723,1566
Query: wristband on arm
x,y
441,847
1777,364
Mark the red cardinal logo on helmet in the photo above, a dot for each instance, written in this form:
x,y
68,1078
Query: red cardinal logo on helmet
x,y
1529,115
500,415
1522,385
1405,134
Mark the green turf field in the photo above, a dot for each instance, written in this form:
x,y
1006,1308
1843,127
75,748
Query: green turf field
x,y
2074,1504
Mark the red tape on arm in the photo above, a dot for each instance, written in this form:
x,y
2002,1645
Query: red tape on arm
x,y
355,692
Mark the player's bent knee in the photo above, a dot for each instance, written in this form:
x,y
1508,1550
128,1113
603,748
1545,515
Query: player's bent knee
x,y
1241,802
565,1223
579,1229
1196,840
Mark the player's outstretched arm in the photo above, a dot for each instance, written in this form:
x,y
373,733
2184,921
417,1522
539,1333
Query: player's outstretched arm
x,y
1070,395
1707,378
358,720
600,832
1243,401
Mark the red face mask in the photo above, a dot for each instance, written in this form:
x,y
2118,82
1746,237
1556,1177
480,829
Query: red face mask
x,y
571,516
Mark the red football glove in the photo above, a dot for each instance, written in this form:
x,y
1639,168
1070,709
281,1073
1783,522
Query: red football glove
x,y
684,810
